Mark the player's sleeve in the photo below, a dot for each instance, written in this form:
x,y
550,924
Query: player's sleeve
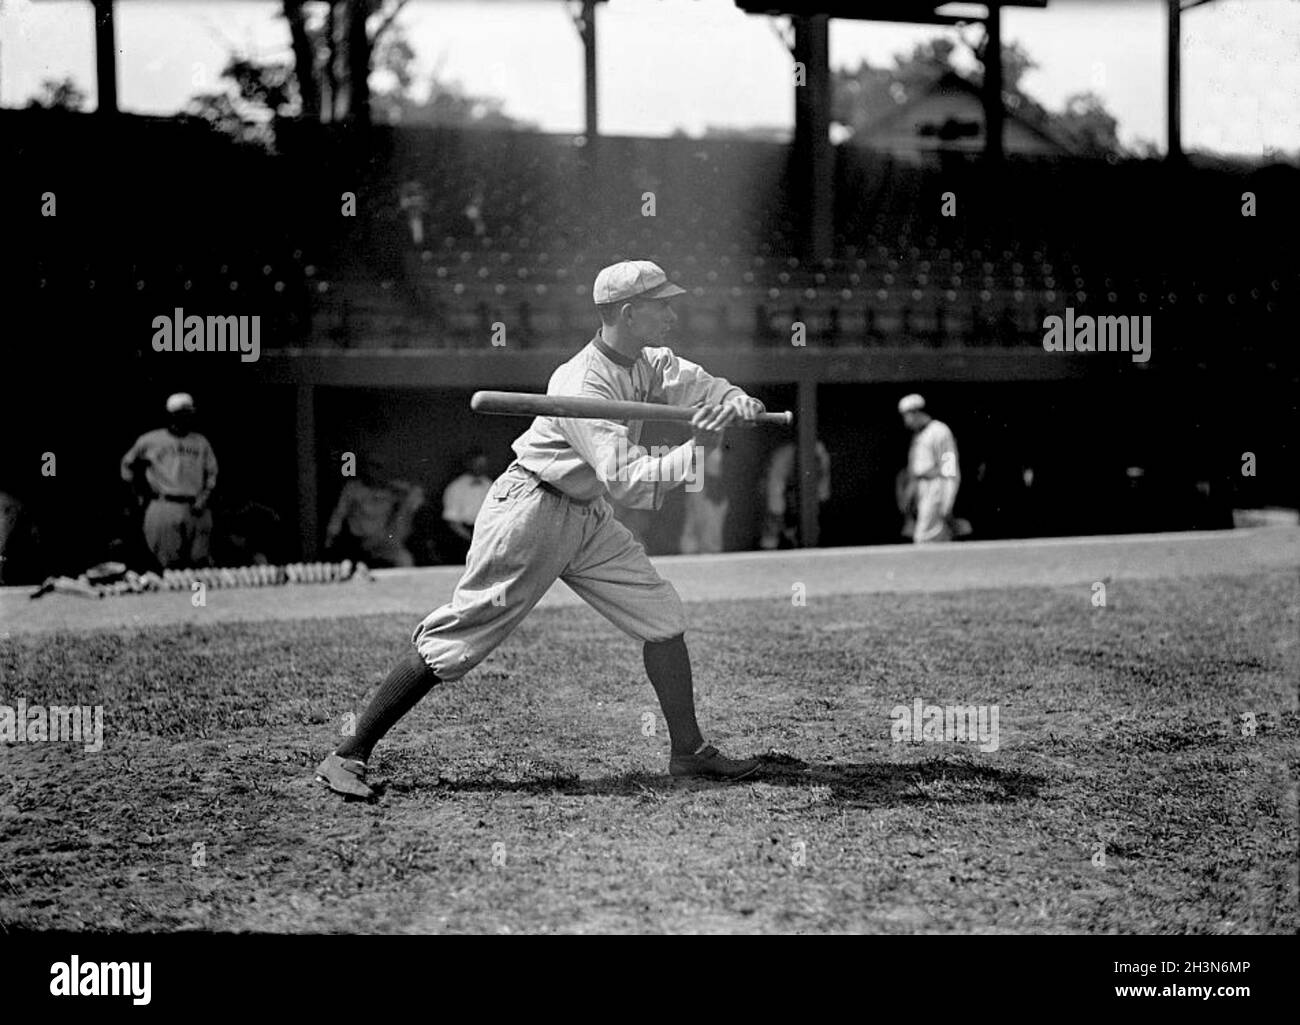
x,y
451,502
633,477
209,471
824,484
340,512
683,383
924,458
135,452
945,455
778,474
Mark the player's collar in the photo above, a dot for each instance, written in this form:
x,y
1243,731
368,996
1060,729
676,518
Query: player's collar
x,y
610,353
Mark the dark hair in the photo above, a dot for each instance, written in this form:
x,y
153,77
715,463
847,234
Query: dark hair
x,y
609,312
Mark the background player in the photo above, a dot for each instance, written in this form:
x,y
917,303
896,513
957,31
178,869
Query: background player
x,y
933,470
548,517
781,495
374,517
180,471
461,502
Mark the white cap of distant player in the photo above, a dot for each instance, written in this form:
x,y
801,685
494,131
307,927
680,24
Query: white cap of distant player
x,y
180,401
911,403
633,279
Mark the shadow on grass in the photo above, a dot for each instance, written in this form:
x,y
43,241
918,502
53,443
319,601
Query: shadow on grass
x,y
955,780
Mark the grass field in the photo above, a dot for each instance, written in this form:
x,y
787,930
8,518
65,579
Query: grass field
x,y
528,797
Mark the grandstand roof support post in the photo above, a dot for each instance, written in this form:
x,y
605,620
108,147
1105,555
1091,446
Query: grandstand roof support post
x,y
993,110
1174,84
584,20
308,490
813,153
589,60
806,462
105,58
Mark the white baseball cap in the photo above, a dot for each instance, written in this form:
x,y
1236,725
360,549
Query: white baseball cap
x,y
633,279
181,400
911,403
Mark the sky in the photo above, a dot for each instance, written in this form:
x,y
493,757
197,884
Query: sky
x,y
669,65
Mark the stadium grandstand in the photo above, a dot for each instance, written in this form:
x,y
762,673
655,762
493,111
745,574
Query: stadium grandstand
x,y
457,230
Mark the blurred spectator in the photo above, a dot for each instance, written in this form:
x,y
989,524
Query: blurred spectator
x,y
19,558
933,471
373,518
414,205
474,213
706,508
905,496
253,537
461,502
781,495
179,470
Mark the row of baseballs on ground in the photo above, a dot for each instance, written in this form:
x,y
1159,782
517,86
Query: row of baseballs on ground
x,y
112,578
260,576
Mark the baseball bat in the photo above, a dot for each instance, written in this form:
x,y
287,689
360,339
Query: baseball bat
x,y
586,407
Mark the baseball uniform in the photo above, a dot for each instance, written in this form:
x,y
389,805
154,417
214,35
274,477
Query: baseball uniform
x,y
181,471
706,509
932,462
781,494
548,516
377,517
461,502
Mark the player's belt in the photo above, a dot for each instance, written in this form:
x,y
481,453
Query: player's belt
x,y
552,489
182,499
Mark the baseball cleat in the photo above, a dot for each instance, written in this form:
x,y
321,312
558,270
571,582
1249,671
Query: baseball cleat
x,y
344,776
709,763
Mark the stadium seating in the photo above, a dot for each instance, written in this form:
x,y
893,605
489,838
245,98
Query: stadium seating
x,y
515,226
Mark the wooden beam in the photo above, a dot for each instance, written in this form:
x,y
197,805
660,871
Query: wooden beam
x,y
813,153
994,116
1173,86
806,463
308,472
105,57
589,62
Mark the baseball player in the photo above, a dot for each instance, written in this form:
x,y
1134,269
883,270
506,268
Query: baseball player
x,y
180,471
461,503
373,518
932,467
548,517
781,495
706,510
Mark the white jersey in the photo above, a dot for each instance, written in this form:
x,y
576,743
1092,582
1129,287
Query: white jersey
x,y
934,452
780,471
589,458
933,464
181,466
464,498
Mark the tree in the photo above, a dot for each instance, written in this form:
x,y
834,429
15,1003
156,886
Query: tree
x,y
447,102
247,110
59,94
1092,127
333,45
862,97
335,52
